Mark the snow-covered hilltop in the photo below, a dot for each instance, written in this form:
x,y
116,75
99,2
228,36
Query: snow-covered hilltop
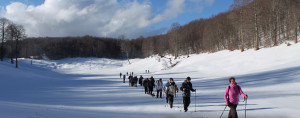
x,y
92,87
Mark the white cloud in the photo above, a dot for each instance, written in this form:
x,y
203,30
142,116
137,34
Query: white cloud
x,y
198,5
174,8
89,17
95,17
210,2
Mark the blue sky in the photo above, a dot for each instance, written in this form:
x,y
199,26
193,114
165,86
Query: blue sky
x,y
31,2
132,18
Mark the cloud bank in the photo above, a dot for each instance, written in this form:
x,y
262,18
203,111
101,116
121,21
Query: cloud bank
x,y
110,18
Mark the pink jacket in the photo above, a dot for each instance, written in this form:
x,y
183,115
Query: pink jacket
x,y
232,94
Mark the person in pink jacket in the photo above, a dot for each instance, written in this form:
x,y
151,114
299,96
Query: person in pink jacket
x,y
231,97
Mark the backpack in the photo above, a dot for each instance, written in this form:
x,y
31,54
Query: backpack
x,y
156,82
172,90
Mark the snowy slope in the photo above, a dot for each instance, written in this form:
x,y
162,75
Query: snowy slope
x,y
92,88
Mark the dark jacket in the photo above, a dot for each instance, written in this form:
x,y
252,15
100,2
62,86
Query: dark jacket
x,y
135,79
188,88
141,80
151,82
145,83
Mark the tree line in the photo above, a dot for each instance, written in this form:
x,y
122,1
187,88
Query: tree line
x,y
70,47
248,24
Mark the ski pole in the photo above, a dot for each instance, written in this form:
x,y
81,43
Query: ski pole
x,y
223,111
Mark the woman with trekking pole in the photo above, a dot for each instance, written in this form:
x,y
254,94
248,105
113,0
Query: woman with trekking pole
x,y
231,97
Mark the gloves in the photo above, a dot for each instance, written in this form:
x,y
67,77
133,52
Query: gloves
x,y
246,97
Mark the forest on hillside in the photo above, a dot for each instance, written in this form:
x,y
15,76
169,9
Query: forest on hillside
x,y
248,24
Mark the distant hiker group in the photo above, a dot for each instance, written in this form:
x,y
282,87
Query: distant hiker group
x,y
147,71
170,89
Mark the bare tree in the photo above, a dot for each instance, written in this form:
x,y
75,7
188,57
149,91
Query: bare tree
x,y
3,24
16,32
238,4
257,39
125,46
295,14
174,38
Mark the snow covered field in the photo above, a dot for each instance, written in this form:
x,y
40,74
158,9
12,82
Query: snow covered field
x,y
92,88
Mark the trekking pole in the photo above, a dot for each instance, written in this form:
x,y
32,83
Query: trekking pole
x,y
223,111
182,105
178,99
195,100
245,106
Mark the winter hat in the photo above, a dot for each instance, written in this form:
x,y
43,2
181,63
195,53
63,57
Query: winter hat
x,y
188,78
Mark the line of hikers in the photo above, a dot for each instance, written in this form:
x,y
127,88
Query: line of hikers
x,y
131,73
170,88
231,95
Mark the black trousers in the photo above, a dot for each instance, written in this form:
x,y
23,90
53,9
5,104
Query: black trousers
x,y
150,89
158,92
186,103
170,98
232,112
146,89
167,97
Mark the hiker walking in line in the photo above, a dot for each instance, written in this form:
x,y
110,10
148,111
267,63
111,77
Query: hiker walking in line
x,y
151,84
135,79
186,88
124,76
141,80
145,84
130,79
165,90
171,91
120,75
231,97
159,87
